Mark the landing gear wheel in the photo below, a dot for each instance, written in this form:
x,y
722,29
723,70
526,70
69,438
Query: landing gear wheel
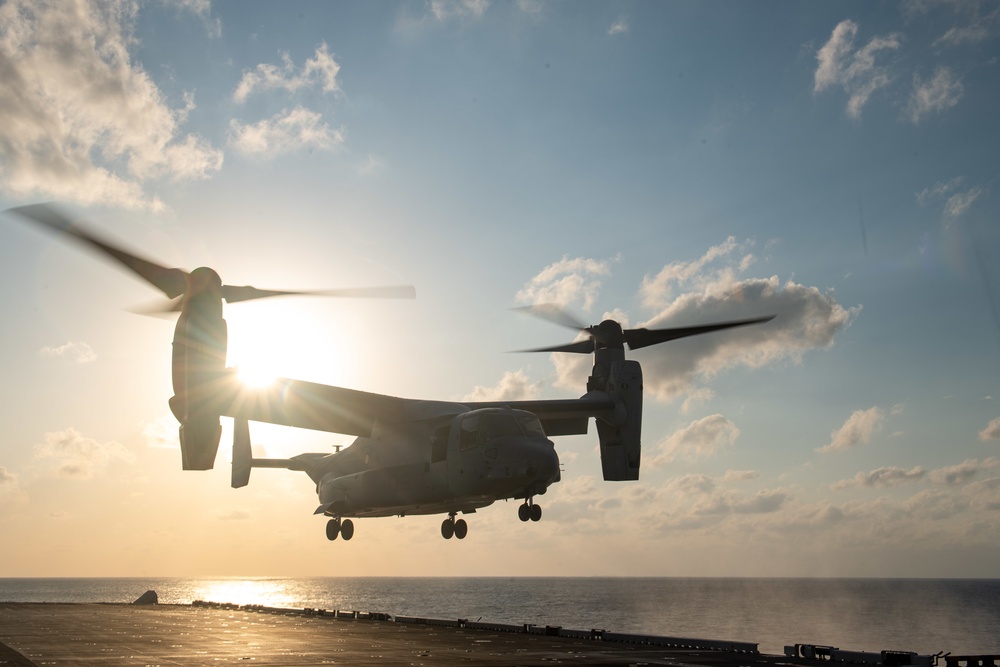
x,y
461,529
347,529
524,512
447,528
534,513
333,529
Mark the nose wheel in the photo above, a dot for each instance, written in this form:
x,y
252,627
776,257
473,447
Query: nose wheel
x,y
450,527
529,511
336,527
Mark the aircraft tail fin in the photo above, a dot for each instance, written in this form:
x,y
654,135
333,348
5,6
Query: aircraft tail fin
x,y
242,455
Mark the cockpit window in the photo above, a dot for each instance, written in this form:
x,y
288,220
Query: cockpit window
x,y
498,426
483,428
467,437
530,424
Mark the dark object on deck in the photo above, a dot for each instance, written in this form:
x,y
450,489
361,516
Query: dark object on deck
x,y
149,597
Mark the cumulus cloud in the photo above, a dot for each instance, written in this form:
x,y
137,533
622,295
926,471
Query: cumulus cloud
x,y
78,352
712,289
881,477
992,431
619,26
320,71
806,319
699,439
942,92
82,122
70,454
567,281
855,70
858,429
287,131
513,386
657,291
962,472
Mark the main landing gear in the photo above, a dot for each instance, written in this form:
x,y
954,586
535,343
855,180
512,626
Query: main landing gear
x,y
451,527
335,527
529,510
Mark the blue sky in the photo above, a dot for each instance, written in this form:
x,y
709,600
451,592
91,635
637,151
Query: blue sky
x,y
662,163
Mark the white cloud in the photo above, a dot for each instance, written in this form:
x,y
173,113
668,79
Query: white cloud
x,y
513,386
956,202
443,10
962,472
858,429
855,70
658,290
699,439
619,26
287,131
959,203
696,397
70,454
992,431
321,70
203,10
739,476
82,122
938,191
942,92
79,352
973,27
567,281
806,319
881,477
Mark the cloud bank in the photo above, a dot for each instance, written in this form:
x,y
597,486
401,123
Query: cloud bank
x,y
82,122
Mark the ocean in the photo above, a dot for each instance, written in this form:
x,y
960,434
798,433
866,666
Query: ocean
x,y
961,616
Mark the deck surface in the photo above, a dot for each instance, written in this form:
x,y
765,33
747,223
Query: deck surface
x,y
116,635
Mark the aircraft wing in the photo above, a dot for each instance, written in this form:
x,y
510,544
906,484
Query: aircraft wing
x,y
323,407
566,416
306,405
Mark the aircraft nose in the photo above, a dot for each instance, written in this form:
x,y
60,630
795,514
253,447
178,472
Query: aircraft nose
x,y
544,460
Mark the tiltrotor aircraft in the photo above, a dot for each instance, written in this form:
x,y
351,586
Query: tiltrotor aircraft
x,y
410,456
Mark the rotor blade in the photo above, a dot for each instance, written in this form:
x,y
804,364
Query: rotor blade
x,y
161,308
237,293
171,282
552,312
637,338
579,347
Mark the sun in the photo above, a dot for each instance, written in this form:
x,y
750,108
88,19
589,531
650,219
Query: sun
x,y
275,340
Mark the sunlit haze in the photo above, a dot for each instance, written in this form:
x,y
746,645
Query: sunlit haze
x,y
661,163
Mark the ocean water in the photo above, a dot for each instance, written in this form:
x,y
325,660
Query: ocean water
x,y
922,615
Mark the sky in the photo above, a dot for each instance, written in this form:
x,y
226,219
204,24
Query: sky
x,y
664,164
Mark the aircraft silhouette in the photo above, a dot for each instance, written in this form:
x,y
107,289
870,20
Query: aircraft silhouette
x,y
411,456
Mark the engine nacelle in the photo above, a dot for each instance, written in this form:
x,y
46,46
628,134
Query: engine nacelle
x,y
621,439
199,370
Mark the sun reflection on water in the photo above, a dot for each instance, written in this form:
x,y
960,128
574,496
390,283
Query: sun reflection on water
x,y
267,592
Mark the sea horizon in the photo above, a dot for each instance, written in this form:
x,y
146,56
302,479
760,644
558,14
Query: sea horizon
x,y
922,615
